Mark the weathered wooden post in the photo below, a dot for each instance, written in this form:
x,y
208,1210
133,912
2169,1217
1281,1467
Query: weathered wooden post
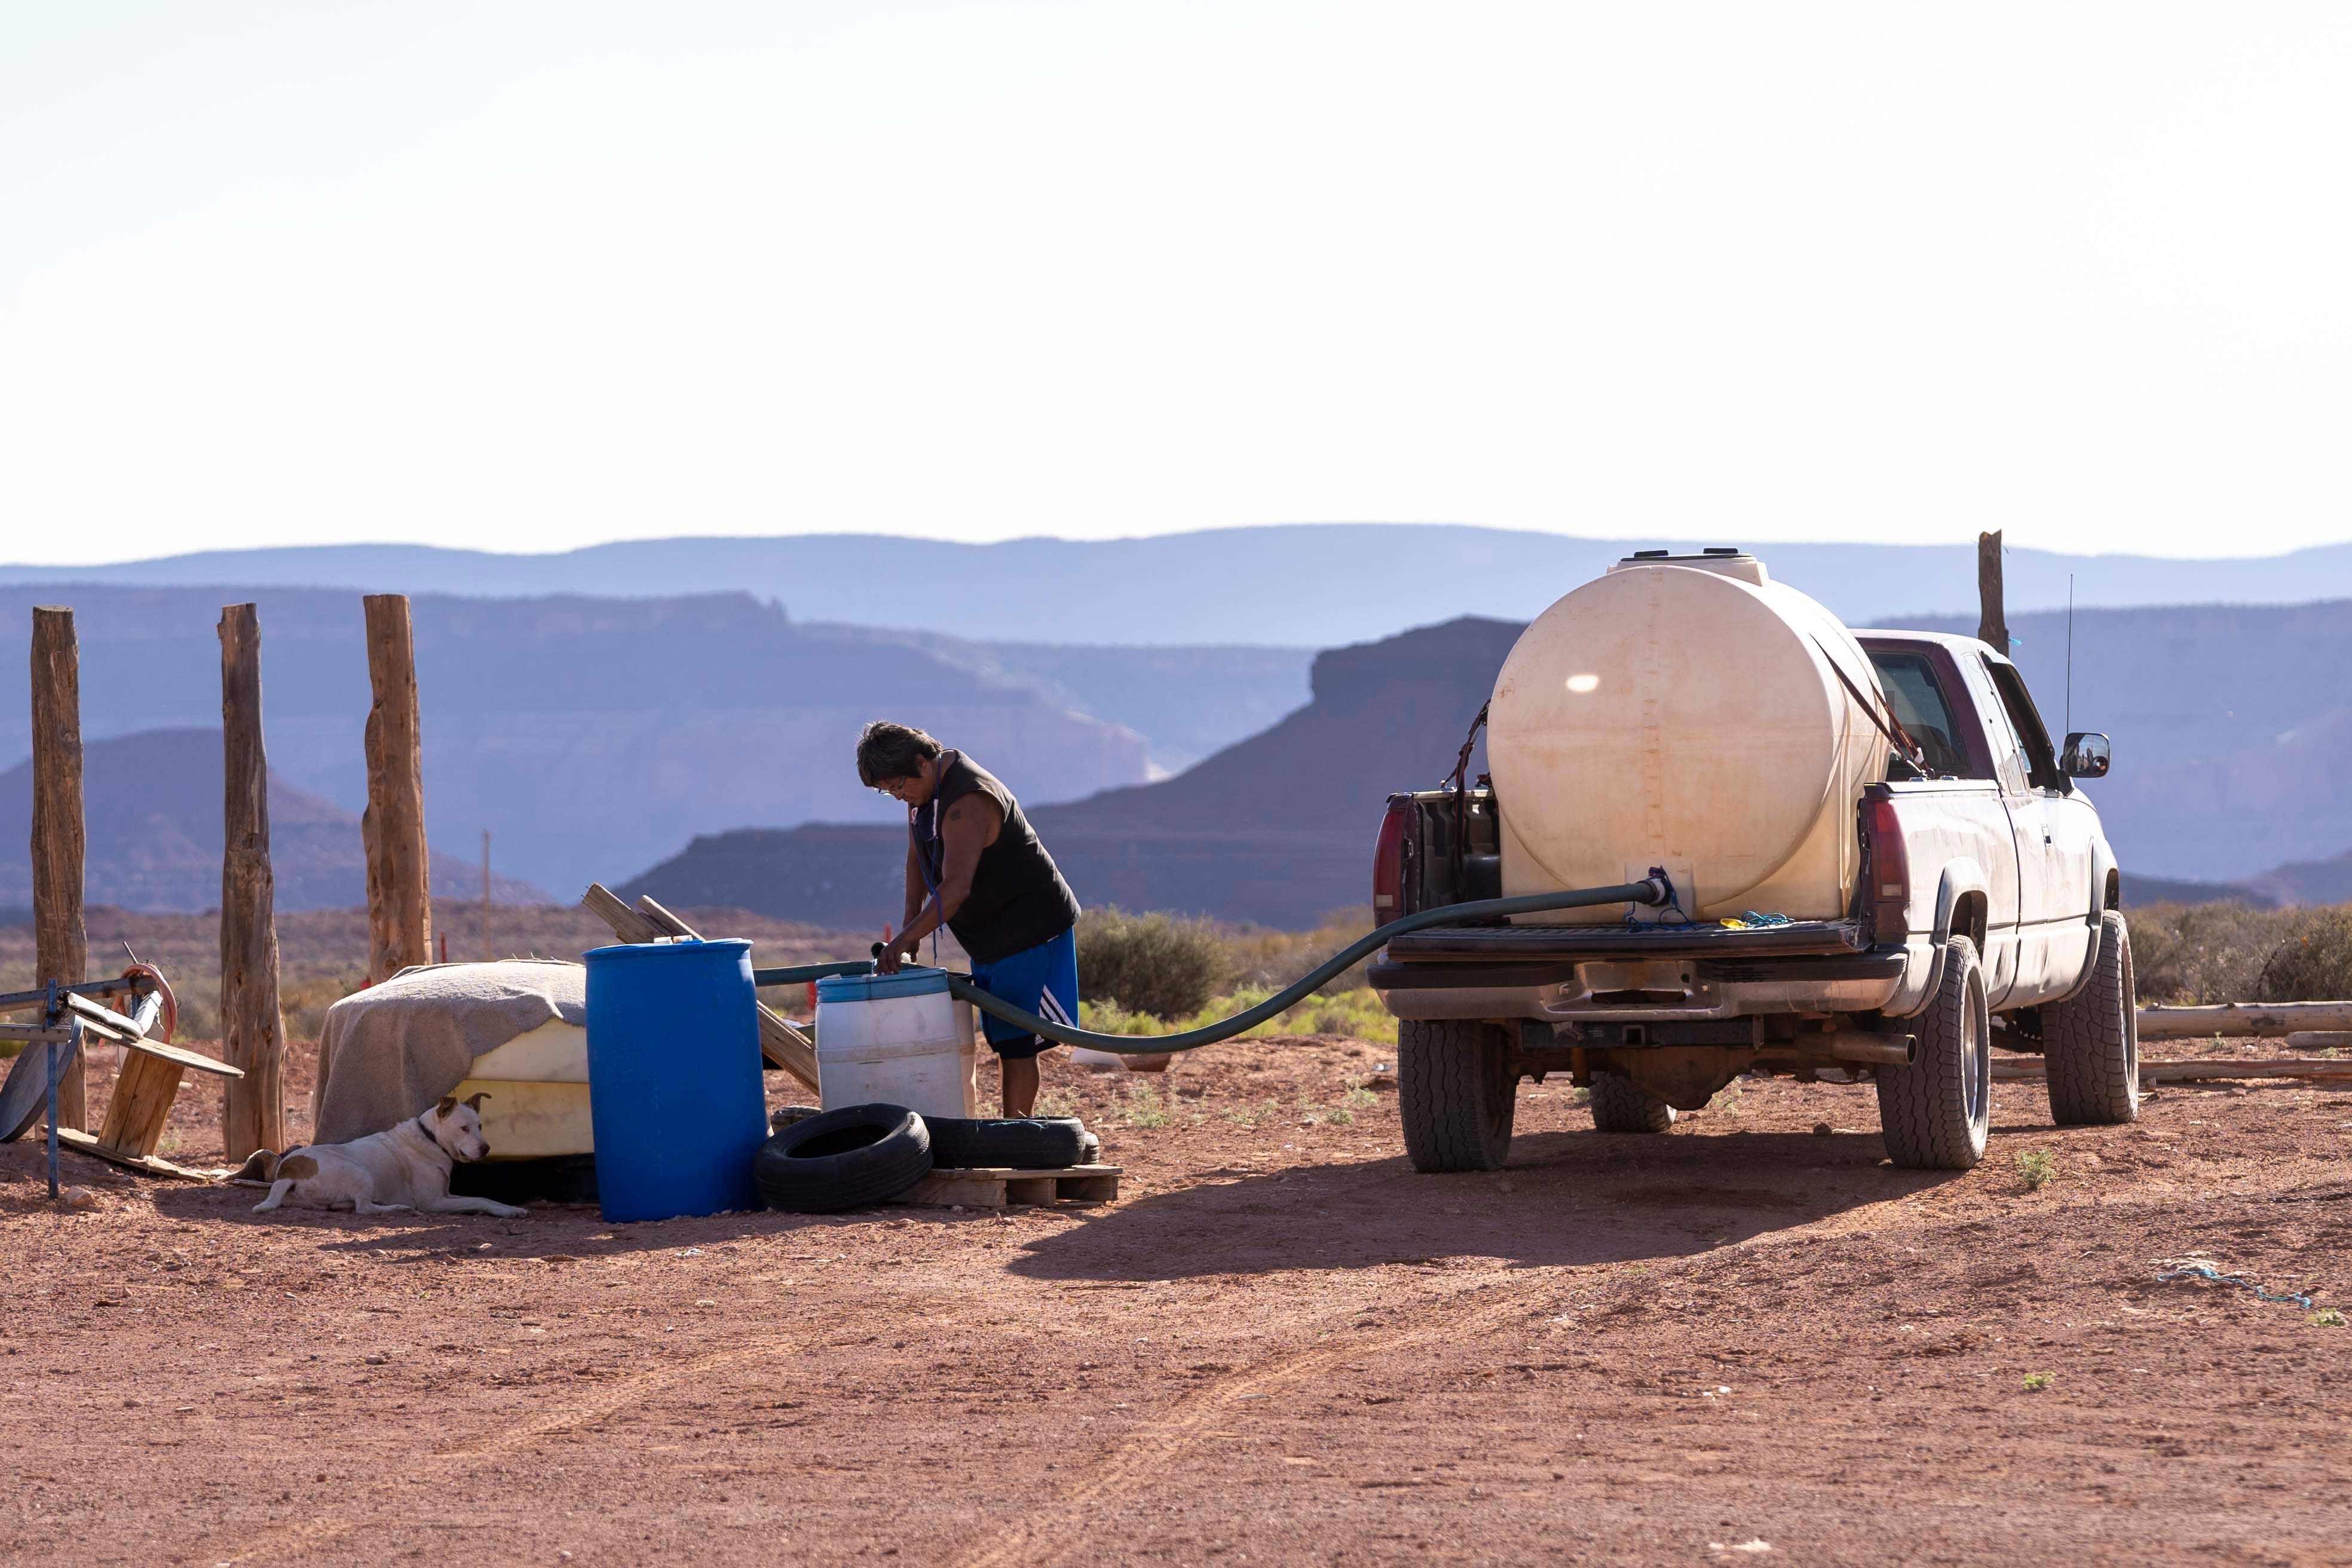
x,y
60,943
400,903
1993,620
253,1030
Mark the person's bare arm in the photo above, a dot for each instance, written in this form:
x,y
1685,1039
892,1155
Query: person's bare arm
x,y
916,892
970,826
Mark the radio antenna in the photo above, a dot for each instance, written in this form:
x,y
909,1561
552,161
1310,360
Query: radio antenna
x,y
2070,653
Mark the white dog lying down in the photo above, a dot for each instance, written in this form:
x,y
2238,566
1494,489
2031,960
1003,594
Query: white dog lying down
x,y
406,1167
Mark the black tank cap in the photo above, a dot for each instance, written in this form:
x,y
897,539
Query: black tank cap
x,y
1652,554
1722,550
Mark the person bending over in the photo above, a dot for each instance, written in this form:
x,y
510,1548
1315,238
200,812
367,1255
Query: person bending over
x,y
974,865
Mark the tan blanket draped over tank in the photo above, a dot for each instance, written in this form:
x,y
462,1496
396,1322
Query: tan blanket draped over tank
x,y
392,1051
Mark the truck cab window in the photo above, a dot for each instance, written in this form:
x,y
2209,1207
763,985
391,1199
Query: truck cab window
x,y
2025,725
1918,701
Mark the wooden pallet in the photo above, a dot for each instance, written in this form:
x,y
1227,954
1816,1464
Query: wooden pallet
x,y
149,1164
996,1188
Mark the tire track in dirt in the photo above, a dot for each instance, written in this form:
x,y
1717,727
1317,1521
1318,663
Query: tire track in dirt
x,y
1148,1453
630,1391
304,1538
310,1534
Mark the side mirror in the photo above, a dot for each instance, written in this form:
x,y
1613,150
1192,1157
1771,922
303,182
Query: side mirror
x,y
2088,755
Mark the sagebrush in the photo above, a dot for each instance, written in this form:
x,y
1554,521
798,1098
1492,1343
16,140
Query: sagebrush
x,y
1159,964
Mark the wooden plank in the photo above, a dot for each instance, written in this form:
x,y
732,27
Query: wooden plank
x,y
999,1172
779,1041
253,1026
665,921
391,828
61,941
994,1188
947,1191
141,1104
2319,1069
183,1057
81,1142
627,924
2243,1020
2279,1020
1088,1189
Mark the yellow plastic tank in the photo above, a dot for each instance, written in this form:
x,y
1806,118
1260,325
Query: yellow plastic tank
x,y
538,1088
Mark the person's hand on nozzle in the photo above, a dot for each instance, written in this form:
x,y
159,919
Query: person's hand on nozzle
x,y
888,954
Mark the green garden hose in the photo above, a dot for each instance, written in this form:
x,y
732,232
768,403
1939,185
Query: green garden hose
x,y
1654,891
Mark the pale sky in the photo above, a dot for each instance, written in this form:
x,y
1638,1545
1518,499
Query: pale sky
x,y
530,275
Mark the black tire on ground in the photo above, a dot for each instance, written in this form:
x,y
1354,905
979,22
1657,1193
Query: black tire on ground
x,y
2091,1041
1456,1094
1936,1113
844,1159
1620,1105
1022,1143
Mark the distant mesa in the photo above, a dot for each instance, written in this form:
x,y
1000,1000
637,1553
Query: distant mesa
x,y
1276,830
152,805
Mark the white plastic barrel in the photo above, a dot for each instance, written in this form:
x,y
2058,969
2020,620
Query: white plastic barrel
x,y
895,1039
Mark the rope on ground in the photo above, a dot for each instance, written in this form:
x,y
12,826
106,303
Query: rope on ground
x,y
2207,1271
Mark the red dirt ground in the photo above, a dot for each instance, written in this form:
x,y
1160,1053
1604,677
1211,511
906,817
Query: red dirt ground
x,y
1738,1342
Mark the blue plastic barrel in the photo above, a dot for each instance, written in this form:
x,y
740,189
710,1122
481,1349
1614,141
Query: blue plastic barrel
x,y
673,1086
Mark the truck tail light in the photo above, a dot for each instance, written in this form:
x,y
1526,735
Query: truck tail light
x,y
1890,874
1388,863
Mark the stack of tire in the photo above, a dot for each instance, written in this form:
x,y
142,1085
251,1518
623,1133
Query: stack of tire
x,y
823,1162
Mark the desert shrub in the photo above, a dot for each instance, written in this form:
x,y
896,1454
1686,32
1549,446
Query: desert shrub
x,y
1155,963
2193,953
2312,962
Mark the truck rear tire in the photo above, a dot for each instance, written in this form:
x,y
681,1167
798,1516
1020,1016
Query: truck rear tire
x,y
1456,1094
1620,1105
2090,1040
1936,1113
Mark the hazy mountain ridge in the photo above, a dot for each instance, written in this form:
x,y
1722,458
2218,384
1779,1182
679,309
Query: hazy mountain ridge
x,y
591,736
1305,586
1278,828
152,814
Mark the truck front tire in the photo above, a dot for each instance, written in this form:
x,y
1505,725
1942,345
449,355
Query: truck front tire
x,y
1936,1113
1620,1105
1455,1093
2090,1040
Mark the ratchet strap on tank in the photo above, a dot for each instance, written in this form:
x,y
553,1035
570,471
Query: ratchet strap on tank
x,y
1897,736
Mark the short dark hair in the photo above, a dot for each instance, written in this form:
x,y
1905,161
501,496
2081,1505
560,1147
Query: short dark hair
x,y
887,751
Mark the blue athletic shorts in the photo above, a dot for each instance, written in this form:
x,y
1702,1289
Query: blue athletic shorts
x,y
1042,980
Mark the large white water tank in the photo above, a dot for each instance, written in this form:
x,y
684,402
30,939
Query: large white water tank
x,y
1684,712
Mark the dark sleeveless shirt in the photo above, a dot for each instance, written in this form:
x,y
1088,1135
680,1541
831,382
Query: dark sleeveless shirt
x,y
1018,898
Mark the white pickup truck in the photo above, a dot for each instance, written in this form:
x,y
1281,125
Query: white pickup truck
x,y
1877,857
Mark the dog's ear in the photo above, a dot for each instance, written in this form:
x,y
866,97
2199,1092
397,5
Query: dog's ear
x,y
448,1103
474,1102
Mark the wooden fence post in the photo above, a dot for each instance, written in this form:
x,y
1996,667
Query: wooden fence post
x,y
253,1030
400,903
60,943
1992,620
